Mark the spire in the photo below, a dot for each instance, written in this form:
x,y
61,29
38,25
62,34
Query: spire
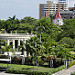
x,y
57,15
57,19
45,13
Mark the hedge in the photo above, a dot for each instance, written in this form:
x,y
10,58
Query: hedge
x,y
71,64
33,72
73,74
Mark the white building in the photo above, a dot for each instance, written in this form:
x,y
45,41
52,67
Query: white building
x,y
13,38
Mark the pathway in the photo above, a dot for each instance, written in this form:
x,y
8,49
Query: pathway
x,y
66,71
3,73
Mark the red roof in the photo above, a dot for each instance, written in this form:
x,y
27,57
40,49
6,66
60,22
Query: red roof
x,y
45,13
57,15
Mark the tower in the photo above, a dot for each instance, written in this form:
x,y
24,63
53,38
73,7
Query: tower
x,y
57,19
45,14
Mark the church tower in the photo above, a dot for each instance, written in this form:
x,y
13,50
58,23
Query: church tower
x,y
57,19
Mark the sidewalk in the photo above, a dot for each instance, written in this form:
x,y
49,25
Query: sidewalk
x,y
66,71
3,73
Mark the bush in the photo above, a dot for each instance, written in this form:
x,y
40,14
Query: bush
x,y
73,74
26,72
28,61
30,71
71,64
4,57
16,60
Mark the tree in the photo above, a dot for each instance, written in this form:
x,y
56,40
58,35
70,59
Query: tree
x,y
6,48
22,47
49,45
62,52
33,46
68,28
12,19
29,20
67,40
51,17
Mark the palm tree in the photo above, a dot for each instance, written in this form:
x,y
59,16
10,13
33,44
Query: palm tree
x,y
6,48
12,19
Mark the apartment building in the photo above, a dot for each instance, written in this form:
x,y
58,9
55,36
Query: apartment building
x,y
72,9
51,7
63,1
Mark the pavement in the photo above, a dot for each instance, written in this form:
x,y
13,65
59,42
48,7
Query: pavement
x,y
3,73
68,71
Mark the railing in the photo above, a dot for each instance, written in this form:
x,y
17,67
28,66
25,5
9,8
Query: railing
x,y
7,60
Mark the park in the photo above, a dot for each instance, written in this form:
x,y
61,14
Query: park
x,y
47,49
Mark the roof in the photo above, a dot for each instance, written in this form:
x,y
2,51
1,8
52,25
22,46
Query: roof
x,y
57,15
66,12
45,13
72,8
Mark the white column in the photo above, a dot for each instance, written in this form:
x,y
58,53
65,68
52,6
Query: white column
x,y
8,42
18,42
13,44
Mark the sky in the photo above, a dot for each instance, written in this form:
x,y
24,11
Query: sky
x,y
22,8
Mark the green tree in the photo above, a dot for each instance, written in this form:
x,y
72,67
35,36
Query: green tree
x,y
6,48
29,20
68,28
62,52
51,17
67,40
33,46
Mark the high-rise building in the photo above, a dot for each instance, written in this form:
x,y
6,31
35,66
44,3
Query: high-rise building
x,y
51,7
63,1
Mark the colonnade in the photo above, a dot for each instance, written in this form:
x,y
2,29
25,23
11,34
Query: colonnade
x,y
13,37
13,42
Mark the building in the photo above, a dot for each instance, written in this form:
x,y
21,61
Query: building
x,y
57,19
66,14
51,7
63,1
72,9
12,38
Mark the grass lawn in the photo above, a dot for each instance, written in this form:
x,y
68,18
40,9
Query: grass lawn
x,y
25,69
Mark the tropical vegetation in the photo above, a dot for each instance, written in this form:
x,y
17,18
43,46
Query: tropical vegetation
x,y
51,40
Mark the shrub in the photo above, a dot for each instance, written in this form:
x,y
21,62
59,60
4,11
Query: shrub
x,y
73,74
28,61
4,57
30,71
71,64
16,60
